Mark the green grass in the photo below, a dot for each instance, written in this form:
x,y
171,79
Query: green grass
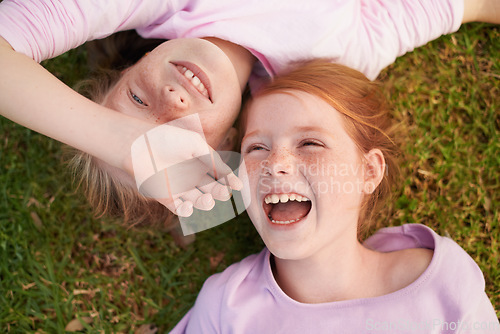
x,y
447,96
58,262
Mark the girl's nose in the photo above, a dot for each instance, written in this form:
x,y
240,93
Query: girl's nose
x,y
280,162
175,98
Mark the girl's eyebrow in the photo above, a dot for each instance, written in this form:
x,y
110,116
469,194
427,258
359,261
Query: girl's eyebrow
x,y
312,129
296,129
317,129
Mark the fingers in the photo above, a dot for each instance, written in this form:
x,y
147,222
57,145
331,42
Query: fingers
x,y
186,175
185,209
178,206
172,205
193,199
201,197
232,181
201,201
208,187
220,170
218,191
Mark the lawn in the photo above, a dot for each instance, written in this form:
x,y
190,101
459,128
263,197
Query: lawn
x,y
58,262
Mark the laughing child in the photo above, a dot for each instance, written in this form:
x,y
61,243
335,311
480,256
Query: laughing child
x,y
319,160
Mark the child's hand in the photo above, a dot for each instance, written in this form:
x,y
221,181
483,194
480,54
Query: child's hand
x,y
180,170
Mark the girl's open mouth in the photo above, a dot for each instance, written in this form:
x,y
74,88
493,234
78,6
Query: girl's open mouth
x,y
285,209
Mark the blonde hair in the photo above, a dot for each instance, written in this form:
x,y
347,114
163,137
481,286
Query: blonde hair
x,y
363,108
105,192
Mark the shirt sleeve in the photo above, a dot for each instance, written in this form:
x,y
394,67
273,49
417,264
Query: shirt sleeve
x,y
391,28
461,285
204,317
481,318
43,29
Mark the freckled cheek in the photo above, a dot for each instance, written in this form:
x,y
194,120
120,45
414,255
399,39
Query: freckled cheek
x,y
158,118
253,167
254,172
150,64
330,176
314,165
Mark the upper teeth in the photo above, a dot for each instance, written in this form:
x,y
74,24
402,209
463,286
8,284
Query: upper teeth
x,y
283,198
195,81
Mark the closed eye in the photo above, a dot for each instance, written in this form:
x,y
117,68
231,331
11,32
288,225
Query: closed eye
x,y
254,147
311,142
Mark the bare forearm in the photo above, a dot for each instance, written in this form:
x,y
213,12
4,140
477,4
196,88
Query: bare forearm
x,y
34,98
482,11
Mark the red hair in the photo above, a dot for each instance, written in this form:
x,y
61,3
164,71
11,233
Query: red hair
x,y
363,108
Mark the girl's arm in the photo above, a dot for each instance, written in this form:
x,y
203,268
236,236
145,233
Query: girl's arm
x,y
34,98
481,11
44,29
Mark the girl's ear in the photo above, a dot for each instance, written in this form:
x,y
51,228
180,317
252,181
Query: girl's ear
x,y
374,170
229,142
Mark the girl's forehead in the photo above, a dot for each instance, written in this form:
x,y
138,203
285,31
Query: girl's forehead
x,y
290,99
292,106
292,109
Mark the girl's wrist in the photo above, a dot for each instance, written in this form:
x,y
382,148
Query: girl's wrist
x,y
131,131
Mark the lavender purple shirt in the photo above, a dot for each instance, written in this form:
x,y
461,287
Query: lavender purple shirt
x,y
448,297
366,35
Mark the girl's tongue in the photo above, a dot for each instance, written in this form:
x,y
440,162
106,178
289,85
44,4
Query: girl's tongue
x,y
289,211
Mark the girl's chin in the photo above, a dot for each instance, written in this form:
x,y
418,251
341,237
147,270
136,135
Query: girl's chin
x,y
286,242
286,253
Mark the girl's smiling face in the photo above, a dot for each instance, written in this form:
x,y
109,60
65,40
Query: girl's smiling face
x,y
181,77
297,151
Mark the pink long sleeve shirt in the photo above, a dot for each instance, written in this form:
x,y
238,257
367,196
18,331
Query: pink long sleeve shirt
x,y
366,35
448,297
